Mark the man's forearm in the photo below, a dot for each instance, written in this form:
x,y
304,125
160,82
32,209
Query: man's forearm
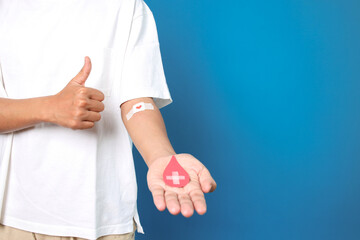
x,y
147,130
16,114
75,106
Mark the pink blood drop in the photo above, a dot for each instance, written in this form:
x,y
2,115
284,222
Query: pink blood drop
x,y
174,175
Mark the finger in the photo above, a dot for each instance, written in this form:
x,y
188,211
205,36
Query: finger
x,y
95,106
158,197
95,94
207,183
187,207
85,125
92,116
198,199
172,202
84,73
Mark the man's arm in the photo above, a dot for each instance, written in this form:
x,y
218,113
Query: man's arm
x,y
76,106
16,114
148,132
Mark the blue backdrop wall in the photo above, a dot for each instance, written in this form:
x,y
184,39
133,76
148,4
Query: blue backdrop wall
x,y
266,95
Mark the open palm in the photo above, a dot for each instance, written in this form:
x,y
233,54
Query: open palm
x,y
183,199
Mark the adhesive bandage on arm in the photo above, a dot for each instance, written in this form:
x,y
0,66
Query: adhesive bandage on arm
x,y
141,106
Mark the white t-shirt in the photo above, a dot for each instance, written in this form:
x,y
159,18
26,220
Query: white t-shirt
x,y
66,182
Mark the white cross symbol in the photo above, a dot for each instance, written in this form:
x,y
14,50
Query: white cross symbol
x,y
175,177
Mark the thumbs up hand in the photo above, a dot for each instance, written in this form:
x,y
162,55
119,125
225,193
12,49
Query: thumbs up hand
x,y
77,106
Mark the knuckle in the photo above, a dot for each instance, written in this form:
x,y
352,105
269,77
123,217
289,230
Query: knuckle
x,y
81,102
78,113
82,91
73,124
183,198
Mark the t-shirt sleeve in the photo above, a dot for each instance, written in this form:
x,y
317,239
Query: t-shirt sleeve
x,y
143,73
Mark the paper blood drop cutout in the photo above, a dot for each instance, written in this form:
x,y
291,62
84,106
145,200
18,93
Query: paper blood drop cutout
x,y
174,175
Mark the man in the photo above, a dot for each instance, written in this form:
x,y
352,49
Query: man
x,y
65,140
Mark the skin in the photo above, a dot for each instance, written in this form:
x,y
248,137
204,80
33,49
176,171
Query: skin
x,y
75,106
148,132
184,199
80,107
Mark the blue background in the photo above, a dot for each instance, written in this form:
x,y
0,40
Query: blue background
x,y
266,95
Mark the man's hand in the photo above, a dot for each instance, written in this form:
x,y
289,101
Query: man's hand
x,y
184,199
77,106
148,132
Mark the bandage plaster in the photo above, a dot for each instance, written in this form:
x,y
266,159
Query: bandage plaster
x,y
141,106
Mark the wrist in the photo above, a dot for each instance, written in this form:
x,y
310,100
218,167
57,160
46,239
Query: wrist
x,y
159,154
46,109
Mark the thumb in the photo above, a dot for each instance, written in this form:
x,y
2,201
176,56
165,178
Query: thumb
x,y
207,183
81,77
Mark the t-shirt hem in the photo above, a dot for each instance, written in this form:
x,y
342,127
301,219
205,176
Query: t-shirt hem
x,y
137,221
68,231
